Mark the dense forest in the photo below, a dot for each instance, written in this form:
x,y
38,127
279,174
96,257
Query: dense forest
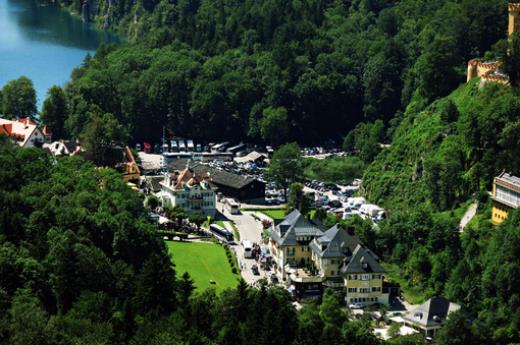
x,y
275,70
81,264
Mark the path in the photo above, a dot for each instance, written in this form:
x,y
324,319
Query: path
x,y
251,230
471,211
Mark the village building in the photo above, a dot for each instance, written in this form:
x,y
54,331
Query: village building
x,y
364,278
231,185
63,148
312,258
431,315
289,242
189,190
506,196
129,167
24,132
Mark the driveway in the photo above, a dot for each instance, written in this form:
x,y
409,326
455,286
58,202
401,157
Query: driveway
x,y
251,230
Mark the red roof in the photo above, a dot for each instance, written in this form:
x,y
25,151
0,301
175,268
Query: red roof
x,y
46,130
27,121
6,129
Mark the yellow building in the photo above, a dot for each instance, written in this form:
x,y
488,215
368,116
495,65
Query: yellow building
x,y
311,259
506,196
329,253
289,242
363,277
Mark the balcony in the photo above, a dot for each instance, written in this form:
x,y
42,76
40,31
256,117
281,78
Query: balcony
x,y
303,275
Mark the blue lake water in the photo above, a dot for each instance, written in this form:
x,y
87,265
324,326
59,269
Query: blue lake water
x,y
43,43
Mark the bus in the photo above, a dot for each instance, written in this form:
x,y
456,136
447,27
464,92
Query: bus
x,y
182,145
221,232
220,147
233,206
173,146
190,145
248,249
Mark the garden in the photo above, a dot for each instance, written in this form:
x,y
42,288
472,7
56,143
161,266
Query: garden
x,y
206,263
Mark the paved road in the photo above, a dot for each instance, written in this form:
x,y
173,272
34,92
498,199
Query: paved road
x,y
251,230
468,216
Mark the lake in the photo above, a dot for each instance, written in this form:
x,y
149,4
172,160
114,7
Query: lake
x,y
44,43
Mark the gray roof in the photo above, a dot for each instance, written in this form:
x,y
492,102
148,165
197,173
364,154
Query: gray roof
x,y
217,176
510,178
432,313
335,243
154,182
362,261
294,225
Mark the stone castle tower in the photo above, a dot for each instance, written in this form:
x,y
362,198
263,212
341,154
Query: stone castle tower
x,y
514,18
489,71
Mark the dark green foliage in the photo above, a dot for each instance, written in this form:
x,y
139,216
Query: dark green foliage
x,y
275,71
333,170
456,331
286,165
100,137
448,151
509,52
55,111
18,99
365,140
298,199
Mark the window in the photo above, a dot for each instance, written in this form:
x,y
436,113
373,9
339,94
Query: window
x,y
365,277
364,290
376,276
352,289
376,289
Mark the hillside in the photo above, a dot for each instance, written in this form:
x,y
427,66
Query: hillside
x,y
275,71
453,148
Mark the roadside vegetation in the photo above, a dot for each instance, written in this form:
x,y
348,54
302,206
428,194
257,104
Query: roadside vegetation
x,y
333,170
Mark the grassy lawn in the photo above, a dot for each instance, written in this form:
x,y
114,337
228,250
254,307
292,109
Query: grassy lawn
x,y
204,262
276,214
412,294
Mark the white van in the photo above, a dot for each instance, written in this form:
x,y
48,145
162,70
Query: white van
x,y
248,249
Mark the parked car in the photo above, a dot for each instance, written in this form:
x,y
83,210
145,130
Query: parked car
x,y
255,270
273,278
356,305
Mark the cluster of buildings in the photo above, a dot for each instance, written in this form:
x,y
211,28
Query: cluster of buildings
x,y
489,71
311,257
195,186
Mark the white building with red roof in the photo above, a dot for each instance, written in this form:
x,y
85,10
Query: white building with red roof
x,y
192,192
24,132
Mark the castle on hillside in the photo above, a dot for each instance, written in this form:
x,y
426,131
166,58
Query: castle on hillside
x,y
489,71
